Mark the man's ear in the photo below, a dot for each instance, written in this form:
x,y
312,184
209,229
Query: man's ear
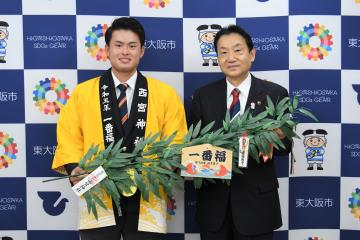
x,y
253,54
142,51
107,50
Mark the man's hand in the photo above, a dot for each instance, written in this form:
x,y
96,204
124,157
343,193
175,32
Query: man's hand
x,y
266,157
280,133
76,171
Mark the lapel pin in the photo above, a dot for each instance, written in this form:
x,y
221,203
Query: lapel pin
x,y
252,105
258,102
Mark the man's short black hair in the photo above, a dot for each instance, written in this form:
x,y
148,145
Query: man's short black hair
x,y
126,23
237,30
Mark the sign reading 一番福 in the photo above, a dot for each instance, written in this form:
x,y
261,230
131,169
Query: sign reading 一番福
x,y
206,161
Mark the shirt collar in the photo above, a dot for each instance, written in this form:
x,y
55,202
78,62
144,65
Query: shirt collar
x,y
130,82
244,87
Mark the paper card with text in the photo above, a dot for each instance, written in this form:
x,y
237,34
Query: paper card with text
x,y
89,181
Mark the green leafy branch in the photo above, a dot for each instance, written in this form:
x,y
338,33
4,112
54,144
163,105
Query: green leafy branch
x,y
260,129
147,170
150,166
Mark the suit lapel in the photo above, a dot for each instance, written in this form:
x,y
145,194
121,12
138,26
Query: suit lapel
x,y
219,100
255,95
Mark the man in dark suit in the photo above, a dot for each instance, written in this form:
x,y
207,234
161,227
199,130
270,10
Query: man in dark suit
x,y
249,208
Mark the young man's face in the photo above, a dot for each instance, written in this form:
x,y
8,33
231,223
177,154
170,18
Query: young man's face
x,y
124,51
234,56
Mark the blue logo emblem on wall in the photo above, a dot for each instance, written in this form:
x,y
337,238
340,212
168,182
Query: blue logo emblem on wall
x,y
356,87
262,0
49,201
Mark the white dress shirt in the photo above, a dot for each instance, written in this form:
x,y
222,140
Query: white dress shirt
x,y
244,88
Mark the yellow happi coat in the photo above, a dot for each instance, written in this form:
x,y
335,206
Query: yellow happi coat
x,y
80,125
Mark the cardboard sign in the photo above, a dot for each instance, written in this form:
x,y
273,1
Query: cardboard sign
x,y
206,161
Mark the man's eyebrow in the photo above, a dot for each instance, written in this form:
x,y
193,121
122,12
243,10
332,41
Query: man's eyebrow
x,y
118,41
236,45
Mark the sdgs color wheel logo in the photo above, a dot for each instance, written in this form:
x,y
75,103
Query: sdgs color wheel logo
x,y
354,203
314,42
92,42
8,150
156,3
314,238
50,96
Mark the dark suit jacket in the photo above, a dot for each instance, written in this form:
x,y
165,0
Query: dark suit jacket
x,y
253,196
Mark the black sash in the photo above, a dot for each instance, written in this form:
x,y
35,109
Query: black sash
x,y
113,130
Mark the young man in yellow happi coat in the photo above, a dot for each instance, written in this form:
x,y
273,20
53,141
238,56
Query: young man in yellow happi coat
x,y
122,103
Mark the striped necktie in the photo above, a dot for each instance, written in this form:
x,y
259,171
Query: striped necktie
x,y
235,105
122,103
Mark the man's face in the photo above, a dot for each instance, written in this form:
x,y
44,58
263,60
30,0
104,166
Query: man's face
x,y
315,142
234,56
2,35
124,51
208,37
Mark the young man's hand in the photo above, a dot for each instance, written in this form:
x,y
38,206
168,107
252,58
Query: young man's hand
x,y
76,171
